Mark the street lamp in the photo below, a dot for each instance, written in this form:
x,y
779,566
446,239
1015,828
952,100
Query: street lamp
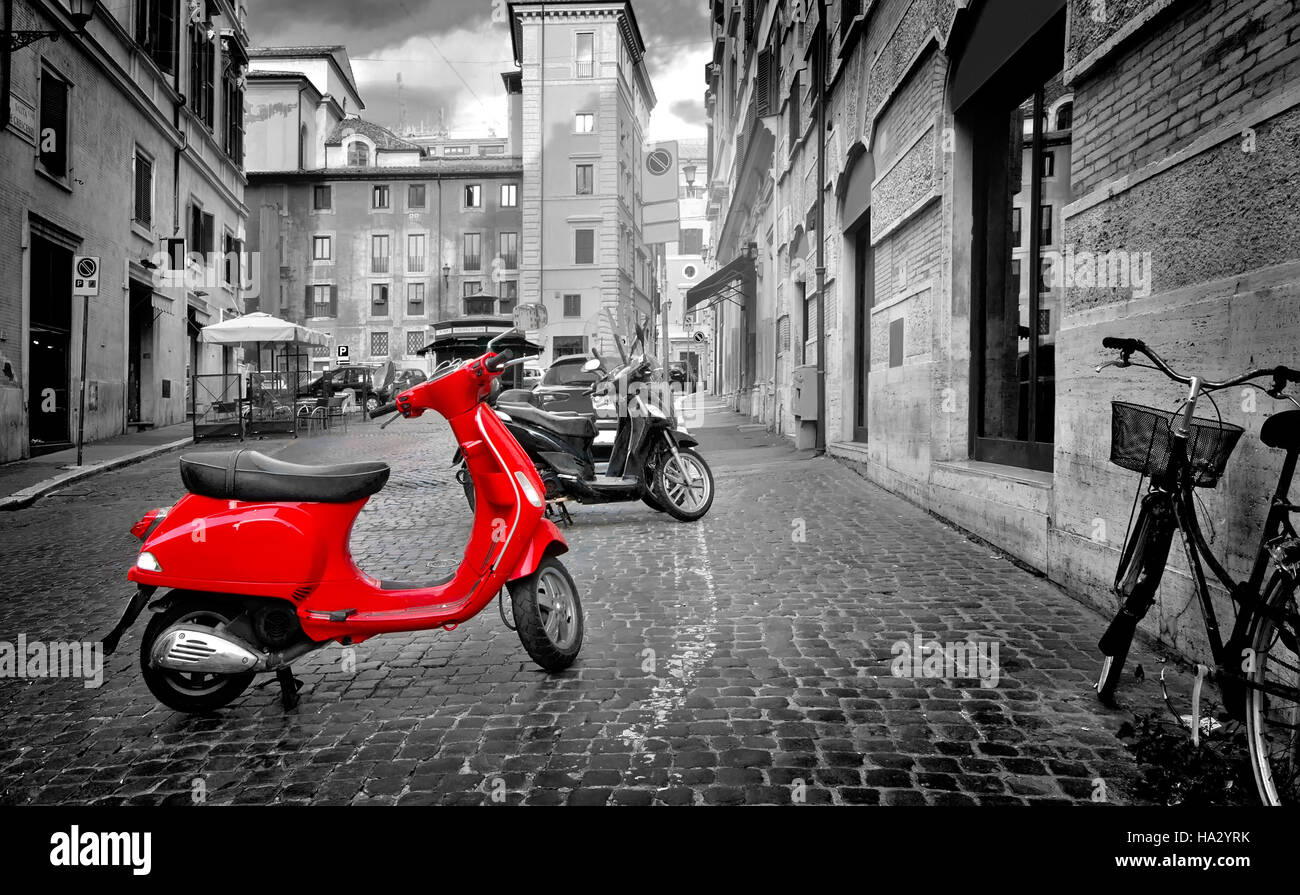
x,y
79,11
689,171
446,274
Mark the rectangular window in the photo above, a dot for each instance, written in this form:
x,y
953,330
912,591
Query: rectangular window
x,y
54,124
202,231
584,247
379,197
509,195
584,123
232,252
379,300
563,346
795,126
232,126
471,287
1049,164
508,292
321,248
379,344
692,241
415,244
155,31
415,196
323,198
509,246
322,301
491,150
203,60
415,341
455,150
379,253
472,256
473,196
1014,383
586,55
414,299
573,306
143,189
586,178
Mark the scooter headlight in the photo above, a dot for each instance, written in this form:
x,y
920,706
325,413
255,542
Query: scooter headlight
x,y
529,491
147,562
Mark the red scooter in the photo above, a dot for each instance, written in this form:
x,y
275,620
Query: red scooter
x,y
257,562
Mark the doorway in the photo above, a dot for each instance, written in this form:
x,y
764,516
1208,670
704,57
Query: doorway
x,y
140,399
863,299
49,347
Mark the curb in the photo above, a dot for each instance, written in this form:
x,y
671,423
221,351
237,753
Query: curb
x,y
28,496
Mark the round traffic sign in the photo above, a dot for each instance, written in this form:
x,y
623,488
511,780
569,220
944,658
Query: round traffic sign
x,y
86,267
658,162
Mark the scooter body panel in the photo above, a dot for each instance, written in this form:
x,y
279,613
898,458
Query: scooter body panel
x,y
300,551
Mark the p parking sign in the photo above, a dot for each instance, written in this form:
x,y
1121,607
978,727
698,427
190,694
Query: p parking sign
x,y
343,353
85,275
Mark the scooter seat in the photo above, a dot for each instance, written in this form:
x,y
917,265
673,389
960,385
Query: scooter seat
x,y
251,476
576,426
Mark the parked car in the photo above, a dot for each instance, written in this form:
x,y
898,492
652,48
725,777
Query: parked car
x,y
359,379
402,380
566,387
532,376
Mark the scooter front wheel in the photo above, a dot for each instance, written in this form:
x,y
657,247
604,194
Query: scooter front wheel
x,y
684,485
548,615
193,693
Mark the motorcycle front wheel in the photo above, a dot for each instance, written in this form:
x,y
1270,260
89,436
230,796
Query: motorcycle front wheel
x,y
683,485
548,615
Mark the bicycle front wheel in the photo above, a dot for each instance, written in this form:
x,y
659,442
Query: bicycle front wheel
x,y
1273,716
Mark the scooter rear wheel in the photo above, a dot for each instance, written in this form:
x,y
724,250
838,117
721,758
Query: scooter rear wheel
x,y
191,692
548,615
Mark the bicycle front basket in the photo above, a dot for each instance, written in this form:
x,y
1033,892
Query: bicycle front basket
x,y
1142,439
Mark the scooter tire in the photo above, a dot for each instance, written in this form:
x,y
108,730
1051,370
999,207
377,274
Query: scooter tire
x,y
183,692
552,641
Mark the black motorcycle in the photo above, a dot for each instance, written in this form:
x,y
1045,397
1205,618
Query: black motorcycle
x,y
652,459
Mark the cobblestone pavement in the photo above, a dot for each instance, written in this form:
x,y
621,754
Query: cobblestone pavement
x,y
745,659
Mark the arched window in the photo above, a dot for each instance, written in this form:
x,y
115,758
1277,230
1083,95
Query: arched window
x,y
1065,116
358,154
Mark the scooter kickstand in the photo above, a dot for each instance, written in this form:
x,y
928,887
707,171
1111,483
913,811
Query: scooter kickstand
x,y
289,687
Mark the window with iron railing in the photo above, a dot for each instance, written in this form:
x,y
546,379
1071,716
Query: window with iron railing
x,y
379,344
472,255
380,250
415,340
509,245
415,245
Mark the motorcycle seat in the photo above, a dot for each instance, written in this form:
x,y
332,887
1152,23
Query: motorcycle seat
x,y
576,426
251,476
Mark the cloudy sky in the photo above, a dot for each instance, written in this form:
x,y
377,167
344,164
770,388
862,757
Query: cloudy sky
x,y
450,55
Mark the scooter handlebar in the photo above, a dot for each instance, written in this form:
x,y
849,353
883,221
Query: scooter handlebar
x,y
497,363
383,411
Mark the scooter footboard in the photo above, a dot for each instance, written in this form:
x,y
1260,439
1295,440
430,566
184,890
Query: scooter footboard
x,y
546,541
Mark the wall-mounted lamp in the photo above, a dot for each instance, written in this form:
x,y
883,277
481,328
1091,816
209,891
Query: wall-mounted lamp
x,y
689,171
79,11
446,274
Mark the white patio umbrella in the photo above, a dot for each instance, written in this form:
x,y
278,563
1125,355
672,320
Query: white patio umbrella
x,y
260,327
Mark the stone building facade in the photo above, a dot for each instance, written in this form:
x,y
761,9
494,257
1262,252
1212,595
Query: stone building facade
x,y
122,142
1007,184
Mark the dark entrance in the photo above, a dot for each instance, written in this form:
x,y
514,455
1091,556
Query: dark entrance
x,y
862,301
49,347
139,406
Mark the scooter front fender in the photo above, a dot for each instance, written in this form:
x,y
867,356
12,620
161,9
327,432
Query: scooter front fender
x,y
546,541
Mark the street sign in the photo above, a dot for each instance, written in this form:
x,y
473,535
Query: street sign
x,y
700,336
85,275
343,353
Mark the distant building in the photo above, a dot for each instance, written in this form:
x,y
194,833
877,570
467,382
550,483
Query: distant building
x,y
298,96
581,120
377,241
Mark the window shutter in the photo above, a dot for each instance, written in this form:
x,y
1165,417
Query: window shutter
x,y
164,38
54,117
334,301
311,302
763,84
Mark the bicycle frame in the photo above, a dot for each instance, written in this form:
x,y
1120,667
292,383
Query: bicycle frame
x,y
1174,491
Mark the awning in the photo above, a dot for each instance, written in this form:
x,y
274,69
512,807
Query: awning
x,y
735,283
261,327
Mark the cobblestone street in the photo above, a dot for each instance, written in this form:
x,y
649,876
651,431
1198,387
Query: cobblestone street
x,y
745,659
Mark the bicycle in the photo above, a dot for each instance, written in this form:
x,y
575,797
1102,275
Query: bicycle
x,y
1258,668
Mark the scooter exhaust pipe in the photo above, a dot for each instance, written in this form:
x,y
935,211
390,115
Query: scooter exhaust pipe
x,y
195,649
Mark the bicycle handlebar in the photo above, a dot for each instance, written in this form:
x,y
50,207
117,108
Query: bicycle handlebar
x,y
1126,347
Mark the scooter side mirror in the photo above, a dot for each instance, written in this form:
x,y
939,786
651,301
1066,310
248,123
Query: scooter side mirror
x,y
591,366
